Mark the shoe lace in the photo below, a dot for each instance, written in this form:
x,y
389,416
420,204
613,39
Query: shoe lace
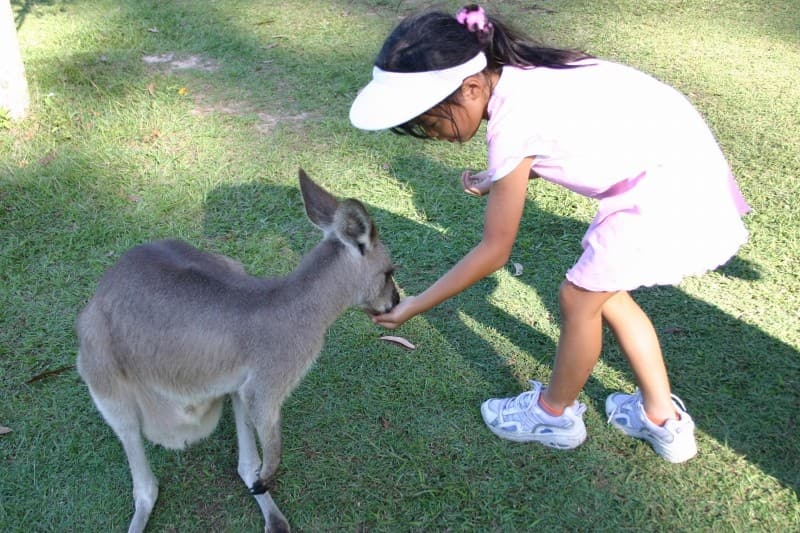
x,y
679,402
637,395
612,415
523,401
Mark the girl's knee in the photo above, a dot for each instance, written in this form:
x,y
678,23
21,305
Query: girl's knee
x,y
570,295
574,300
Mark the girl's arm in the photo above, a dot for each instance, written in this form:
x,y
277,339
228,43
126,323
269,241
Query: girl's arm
x,y
503,213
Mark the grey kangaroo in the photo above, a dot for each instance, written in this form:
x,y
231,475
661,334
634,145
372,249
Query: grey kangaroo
x,y
171,331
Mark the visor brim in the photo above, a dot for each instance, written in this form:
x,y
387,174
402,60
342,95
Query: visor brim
x,y
393,98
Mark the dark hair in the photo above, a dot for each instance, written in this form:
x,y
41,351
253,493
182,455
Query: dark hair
x,y
436,40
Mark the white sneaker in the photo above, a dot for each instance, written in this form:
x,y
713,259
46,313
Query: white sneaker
x,y
674,441
520,419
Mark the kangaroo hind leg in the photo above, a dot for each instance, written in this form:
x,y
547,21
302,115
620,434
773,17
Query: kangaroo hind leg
x,y
251,468
123,418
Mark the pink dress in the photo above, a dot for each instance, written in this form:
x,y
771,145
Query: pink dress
x,y
668,205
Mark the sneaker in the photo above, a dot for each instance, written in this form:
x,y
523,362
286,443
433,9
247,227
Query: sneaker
x,y
520,419
674,441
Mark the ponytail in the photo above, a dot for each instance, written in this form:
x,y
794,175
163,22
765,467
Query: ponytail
x,y
504,45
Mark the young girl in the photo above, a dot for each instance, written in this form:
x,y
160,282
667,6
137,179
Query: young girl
x,y
668,206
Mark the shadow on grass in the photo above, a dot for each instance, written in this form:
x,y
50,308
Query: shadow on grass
x,y
739,383
23,9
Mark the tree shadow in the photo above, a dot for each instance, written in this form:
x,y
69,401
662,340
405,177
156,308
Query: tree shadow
x,y
24,9
741,384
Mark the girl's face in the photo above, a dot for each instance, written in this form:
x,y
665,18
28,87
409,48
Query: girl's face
x,y
458,120
449,122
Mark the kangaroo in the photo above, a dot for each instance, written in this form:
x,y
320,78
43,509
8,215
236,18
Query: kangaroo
x,y
172,330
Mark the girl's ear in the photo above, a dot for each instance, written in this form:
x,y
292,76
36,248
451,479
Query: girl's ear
x,y
472,87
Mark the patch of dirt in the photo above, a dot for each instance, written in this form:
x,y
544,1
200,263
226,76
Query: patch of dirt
x,y
204,108
269,121
205,101
266,120
173,63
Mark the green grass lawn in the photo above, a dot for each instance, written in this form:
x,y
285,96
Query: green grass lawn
x,y
190,119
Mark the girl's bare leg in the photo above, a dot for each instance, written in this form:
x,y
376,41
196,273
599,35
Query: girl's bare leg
x,y
579,344
638,340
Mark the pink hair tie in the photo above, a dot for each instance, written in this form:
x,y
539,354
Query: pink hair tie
x,y
474,18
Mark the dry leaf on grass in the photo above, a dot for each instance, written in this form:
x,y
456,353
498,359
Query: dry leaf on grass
x,y
4,430
400,341
49,373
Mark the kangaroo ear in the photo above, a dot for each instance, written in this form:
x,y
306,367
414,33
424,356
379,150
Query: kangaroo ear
x,y
320,204
354,226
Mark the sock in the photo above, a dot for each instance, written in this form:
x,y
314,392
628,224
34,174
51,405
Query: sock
x,y
547,408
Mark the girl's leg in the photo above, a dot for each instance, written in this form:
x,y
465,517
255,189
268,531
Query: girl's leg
x,y
556,421
649,414
554,418
638,340
579,344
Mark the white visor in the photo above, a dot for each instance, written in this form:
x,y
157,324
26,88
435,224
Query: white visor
x,y
394,98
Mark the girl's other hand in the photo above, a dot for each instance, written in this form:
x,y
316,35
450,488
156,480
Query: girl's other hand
x,y
397,316
476,184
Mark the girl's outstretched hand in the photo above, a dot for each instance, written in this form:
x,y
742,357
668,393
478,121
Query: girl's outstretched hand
x,y
476,184
399,314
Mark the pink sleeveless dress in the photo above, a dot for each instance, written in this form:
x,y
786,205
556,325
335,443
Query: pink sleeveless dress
x,y
668,205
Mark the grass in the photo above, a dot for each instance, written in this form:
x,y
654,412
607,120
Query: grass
x,y
117,151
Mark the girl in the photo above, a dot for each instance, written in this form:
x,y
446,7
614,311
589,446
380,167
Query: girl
x,y
667,203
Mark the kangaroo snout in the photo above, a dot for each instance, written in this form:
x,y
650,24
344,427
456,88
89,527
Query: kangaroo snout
x,y
378,309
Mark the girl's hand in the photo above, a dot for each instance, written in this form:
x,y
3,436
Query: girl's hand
x,y
480,183
399,314
476,184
